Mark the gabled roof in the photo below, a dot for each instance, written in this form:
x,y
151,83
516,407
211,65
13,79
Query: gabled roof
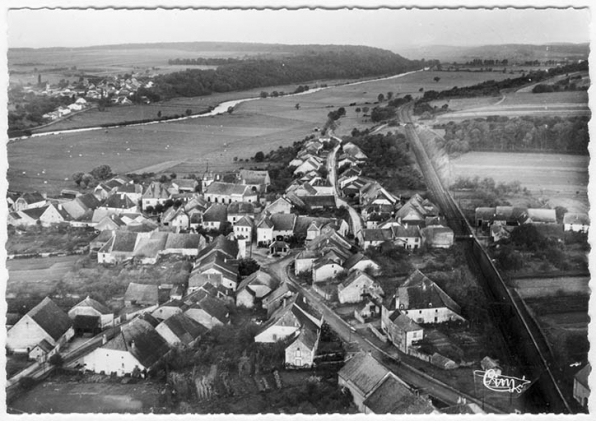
x,y
265,222
241,208
35,213
217,261
254,176
542,215
222,244
214,307
50,318
364,372
245,221
576,218
141,292
320,200
259,277
141,339
198,279
283,221
376,234
156,190
32,197
354,276
419,292
184,328
183,241
277,202
216,213
309,337
96,305
119,202
124,241
404,323
392,396
354,259
582,375
89,200
227,189
400,231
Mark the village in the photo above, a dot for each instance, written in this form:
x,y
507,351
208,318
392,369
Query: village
x,y
286,263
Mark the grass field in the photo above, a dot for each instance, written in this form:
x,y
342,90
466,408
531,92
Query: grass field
x,y
560,179
254,126
39,275
517,104
88,398
545,287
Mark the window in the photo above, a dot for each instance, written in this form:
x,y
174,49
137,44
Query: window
x,y
274,337
298,353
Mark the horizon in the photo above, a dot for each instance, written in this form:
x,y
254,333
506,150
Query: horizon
x,y
386,28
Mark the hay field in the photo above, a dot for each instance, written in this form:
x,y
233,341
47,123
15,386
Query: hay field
x,y
560,179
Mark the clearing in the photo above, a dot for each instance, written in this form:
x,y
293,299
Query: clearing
x,y
39,275
559,179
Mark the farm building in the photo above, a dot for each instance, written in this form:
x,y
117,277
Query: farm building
x,y
400,329
301,352
356,286
286,321
92,308
180,329
136,348
437,236
578,222
46,321
393,396
361,375
254,287
219,192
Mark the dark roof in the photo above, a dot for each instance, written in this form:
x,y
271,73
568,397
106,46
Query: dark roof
x,y
199,279
241,207
141,339
119,202
89,200
32,197
353,276
124,241
364,371
45,346
393,397
309,337
399,231
85,322
183,241
221,188
214,307
376,234
304,222
35,213
283,221
222,244
185,328
582,375
50,318
142,293
404,322
420,292
318,201
216,212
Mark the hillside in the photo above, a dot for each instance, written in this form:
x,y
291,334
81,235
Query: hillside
x,y
511,52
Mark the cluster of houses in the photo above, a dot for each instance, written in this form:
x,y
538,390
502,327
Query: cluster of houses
x,y
118,89
500,221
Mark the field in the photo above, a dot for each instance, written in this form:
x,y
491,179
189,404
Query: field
x,y
517,104
560,179
46,163
88,398
39,275
545,287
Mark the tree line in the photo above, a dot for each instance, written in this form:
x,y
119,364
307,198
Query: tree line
x,y
552,133
342,63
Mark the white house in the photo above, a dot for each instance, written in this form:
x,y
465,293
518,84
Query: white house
x,y
287,321
301,352
578,222
355,286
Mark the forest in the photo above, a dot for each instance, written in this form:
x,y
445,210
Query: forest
x,y
549,133
339,63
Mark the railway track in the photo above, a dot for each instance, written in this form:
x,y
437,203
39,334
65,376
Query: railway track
x,y
536,350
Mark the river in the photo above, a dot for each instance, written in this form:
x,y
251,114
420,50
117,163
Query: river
x,y
220,109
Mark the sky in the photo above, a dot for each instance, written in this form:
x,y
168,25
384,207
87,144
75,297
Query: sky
x,y
382,28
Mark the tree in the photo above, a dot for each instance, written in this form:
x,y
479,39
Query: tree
x,y
159,208
421,90
259,156
230,110
77,178
365,110
437,79
173,176
103,172
159,114
56,360
150,209
381,97
86,180
164,179
389,95
357,111
188,111
264,94
297,106
247,267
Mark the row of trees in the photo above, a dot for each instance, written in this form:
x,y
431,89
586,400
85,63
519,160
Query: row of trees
x,y
100,173
552,133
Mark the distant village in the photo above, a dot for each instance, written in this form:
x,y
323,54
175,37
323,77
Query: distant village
x,y
318,241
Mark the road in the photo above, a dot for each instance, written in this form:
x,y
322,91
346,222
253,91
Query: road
x,y
348,334
539,354
356,221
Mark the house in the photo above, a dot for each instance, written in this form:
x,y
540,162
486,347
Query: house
x,y
45,216
119,204
312,163
103,316
219,192
217,263
257,180
29,200
183,244
188,185
393,396
362,263
355,286
402,331
254,287
169,309
135,349
265,231
319,202
227,248
81,205
370,311
107,222
141,295
326,268
581,386
213,217
209,311
541,216
280,205
304,261
424,302
354,151
243,228
301,352
148,247
437,236
238,210
374,237
277,298
197,280
180,329
176,218
408,237
287,321
283,226
374,193
578,222
46,321
279,248
155,193
361,375
42,352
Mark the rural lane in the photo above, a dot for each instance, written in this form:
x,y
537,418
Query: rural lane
x,y
349,334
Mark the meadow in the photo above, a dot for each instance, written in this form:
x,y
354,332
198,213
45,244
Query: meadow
x,y
46,163
560,179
